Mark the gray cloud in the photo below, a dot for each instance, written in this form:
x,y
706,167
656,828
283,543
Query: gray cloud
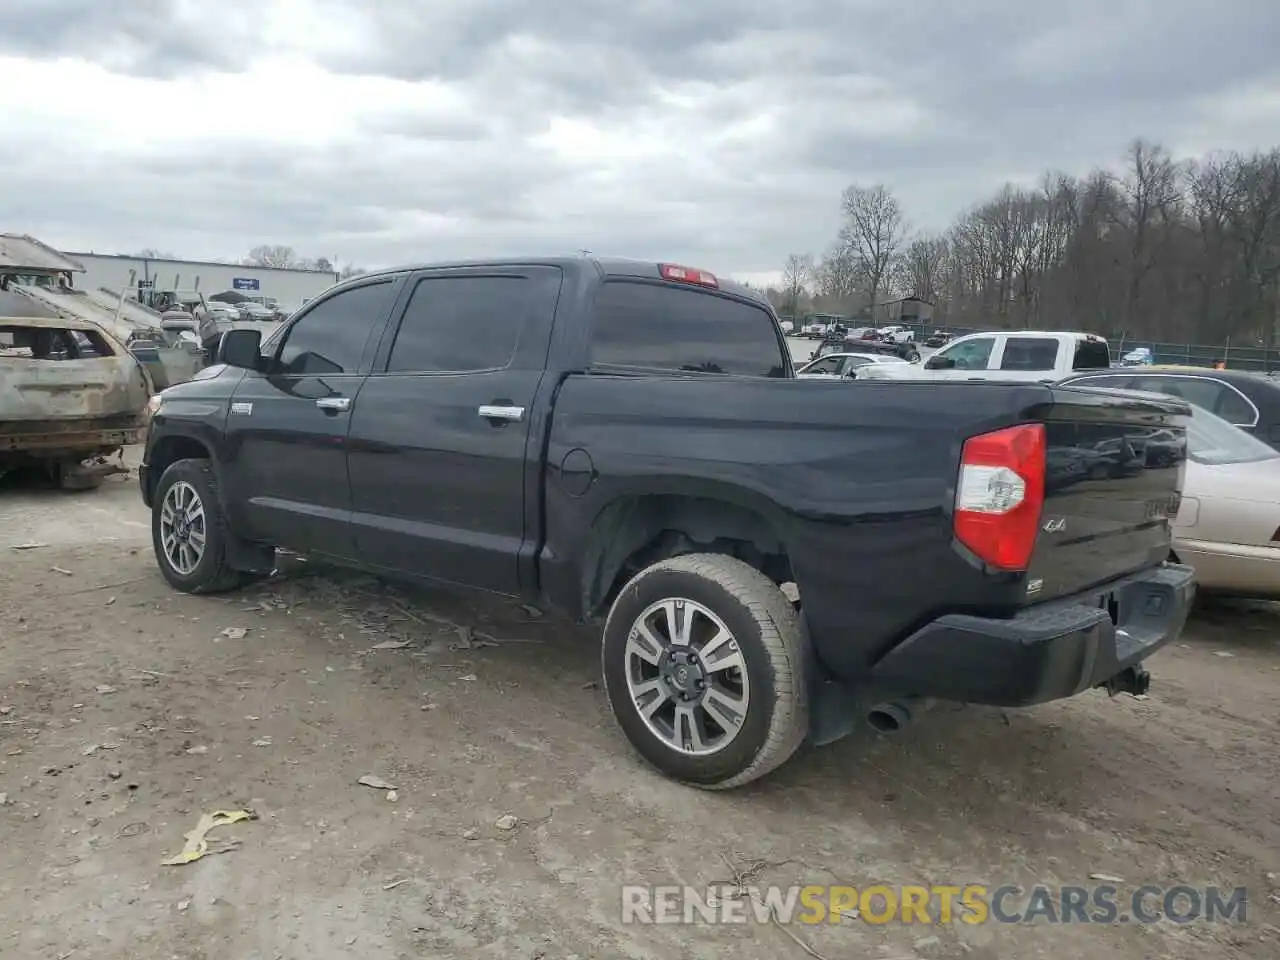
x,y
732,126
160,38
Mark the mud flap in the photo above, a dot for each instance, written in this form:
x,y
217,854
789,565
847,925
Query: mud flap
x,y
253,558
833,712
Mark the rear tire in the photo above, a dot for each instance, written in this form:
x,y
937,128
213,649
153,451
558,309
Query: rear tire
x,y
734,613
189,530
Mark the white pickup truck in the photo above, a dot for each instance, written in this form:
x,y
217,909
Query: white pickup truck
x,y
1033,355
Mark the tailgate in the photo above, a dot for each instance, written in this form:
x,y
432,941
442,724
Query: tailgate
x,y
1115,466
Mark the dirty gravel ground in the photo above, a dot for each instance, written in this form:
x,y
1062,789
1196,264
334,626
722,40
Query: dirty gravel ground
x,y
1183,787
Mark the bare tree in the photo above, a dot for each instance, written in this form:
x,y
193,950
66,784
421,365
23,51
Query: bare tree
x,y
873,231
1213,184
797,273
1154,194
1255,228
272,255
838,280
317,263
151,253
920,270
1166,251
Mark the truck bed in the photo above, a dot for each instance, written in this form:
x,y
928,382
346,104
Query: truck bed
x,y
859,483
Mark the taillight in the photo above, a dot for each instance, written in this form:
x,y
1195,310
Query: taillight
x,y
702,278
1000,495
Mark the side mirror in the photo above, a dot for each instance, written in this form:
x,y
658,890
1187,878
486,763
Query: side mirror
x,y
241,348
937,362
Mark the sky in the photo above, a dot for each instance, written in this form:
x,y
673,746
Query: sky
x,y
716,133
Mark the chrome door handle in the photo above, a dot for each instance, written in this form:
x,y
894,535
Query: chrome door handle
x,y
334,403
490,412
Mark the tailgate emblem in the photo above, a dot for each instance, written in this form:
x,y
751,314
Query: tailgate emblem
x,y
1056,525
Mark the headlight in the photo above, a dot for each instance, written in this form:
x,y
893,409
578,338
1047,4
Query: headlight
x,y
152,406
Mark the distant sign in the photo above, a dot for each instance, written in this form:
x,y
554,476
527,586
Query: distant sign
x,y
146,284
245,283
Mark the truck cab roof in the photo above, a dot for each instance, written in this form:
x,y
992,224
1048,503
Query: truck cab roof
x,y
1036,334
604,266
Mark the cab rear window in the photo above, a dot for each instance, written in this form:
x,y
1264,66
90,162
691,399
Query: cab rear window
x,y
661,326
1091,355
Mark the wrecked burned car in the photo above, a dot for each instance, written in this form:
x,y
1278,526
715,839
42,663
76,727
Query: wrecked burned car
x,y
71,397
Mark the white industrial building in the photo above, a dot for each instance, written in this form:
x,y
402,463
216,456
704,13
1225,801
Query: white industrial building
x,y
140,276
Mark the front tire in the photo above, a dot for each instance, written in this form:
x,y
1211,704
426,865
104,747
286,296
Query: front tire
x,y
189,531
704,667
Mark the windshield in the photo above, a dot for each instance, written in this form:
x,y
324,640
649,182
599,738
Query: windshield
x,y
1213,441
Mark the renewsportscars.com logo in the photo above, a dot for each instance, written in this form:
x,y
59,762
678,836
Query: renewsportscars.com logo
x,y
913,904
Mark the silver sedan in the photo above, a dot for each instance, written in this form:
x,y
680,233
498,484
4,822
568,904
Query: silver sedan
x,y
1228,527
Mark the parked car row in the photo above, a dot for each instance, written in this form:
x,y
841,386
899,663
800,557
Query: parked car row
x,y
848,342
261,309
827,326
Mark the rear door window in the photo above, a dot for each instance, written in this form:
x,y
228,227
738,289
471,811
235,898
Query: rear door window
x,y
1205,392
667,327
1200,392
461,324
86,346
1029,353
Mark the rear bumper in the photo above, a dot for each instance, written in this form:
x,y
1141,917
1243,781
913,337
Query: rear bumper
x,y
1053,650
69,441
1235,568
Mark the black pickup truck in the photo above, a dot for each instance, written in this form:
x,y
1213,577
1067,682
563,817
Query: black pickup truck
x,y
774,561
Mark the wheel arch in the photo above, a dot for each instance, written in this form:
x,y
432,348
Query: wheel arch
x,y
637,529
243,555
168,450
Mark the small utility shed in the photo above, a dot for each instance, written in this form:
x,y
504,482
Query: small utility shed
x,y
906,311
